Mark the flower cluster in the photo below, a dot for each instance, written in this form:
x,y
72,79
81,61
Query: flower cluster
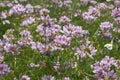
x,y
105,28
60,3
117,3
4,69
11,48
48,77
64,19
62,40
116,15
28,21
91,15
29,9
85,50
94,12
17,9
25,39
85,2
105,68
25,77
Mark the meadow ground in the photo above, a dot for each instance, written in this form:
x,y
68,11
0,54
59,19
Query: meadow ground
x,y
59,40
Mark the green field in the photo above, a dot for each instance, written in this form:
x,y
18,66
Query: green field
x,y
59,39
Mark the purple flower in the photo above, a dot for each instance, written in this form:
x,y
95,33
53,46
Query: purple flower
x,y
44,12
48,77
117,3
26,38
104,34
106,25
104,68
102,6
25,77
11,48
85,2
28,21
116,15
74,31
64,19
9,4
3,15
77,13
37,7
65,3
48,31
29,8
17,9
33,45
105,28
79,32
8,37
4,69
116,12
25,33
55,46
47,21
88,17
117,20
25,41
86,49
62,40
43,48
94,11
68,29
55,28
40,30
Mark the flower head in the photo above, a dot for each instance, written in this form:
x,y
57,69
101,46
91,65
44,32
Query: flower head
x,y
62,40
48,77
104,68
25,77
17,9
4,69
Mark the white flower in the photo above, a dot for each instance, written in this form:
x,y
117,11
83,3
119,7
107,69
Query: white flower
x,y
109,46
